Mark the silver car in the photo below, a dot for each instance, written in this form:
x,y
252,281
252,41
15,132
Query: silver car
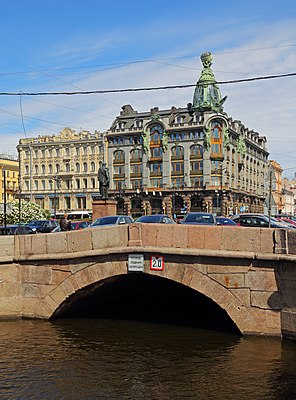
x,y
112,220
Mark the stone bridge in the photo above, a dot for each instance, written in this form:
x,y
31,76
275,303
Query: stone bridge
x,y
249,273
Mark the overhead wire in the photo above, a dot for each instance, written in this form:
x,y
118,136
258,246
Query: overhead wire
x,y
144,88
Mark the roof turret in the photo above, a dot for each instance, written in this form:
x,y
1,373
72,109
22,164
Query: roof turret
x,y
207,96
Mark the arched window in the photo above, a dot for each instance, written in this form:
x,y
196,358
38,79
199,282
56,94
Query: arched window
x,y
156,132
27,169
178,151
84,167
136,154
49,168
36,169
216,137
58,168
77,167
118,155
43,168
67,167
196,150
93,167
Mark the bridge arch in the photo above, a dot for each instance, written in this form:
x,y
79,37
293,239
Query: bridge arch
x,y
92,276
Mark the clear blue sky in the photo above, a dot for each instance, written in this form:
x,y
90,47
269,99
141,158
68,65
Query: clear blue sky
x,y
80,45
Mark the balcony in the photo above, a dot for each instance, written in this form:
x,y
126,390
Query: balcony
x,y
177,158
136,160
118,161
196,173
119,176
177,173
156,174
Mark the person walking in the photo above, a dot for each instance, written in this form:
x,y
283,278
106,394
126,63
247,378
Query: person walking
x,y
65,223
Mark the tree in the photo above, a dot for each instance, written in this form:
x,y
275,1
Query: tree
x,y
27,212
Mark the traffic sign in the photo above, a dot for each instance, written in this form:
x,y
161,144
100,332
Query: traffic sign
x,y
136,262
156,263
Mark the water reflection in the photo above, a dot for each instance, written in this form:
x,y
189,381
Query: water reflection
x,y
97,359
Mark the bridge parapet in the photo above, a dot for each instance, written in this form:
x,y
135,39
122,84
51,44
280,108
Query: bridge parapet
x,y
249,272
93,241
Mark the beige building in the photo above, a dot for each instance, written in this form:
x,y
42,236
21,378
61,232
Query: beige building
x,y
277,189
59,172
9,167
289,196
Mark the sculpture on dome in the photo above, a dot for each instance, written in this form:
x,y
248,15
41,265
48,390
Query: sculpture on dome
x,y
207,96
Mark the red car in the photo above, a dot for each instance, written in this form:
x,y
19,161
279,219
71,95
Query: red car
x,y
77,225
286,219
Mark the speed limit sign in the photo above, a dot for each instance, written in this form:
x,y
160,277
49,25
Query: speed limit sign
x,y
156,263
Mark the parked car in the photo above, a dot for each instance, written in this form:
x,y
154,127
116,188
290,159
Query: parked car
x,y
282,216
257,221
112,220
78,225
287,220
199,218
16,230
225,221
43,225
75,226
156,219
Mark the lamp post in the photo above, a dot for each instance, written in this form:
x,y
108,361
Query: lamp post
x,y
56,186
173,202
4,189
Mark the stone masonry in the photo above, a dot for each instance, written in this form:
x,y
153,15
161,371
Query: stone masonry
x,y
248,272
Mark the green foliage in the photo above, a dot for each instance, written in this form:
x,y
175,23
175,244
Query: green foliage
x,y
29,211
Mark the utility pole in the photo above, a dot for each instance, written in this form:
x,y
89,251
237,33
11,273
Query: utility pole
x,y
31,173
269,198
4,199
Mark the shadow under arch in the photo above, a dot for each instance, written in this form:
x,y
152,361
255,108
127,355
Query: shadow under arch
x,y
204,297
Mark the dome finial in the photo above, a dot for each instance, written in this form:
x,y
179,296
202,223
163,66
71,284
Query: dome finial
x,y
207,96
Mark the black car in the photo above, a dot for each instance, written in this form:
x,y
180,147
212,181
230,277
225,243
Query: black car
x,y
156,219
43,225
16,230
257,221
199,218
225,221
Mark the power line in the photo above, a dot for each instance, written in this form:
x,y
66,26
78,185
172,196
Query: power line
x,y
126,63
142,89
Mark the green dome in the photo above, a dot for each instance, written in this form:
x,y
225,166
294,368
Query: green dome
x,y
207,96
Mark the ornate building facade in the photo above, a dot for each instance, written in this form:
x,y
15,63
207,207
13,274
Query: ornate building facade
x,y
186,159
59,172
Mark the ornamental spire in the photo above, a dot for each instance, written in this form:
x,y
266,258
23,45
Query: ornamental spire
x,y
207,96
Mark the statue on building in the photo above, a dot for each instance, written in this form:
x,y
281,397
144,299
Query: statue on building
x,y
104,180
207,96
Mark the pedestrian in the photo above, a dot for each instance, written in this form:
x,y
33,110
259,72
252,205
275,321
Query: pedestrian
x,y
65,223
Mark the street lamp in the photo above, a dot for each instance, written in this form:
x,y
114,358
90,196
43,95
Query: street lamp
x,y
56,186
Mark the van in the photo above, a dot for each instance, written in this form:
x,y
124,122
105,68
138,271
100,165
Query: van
x,y
79,215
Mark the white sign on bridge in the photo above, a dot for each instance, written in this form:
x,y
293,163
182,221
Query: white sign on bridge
x,y
136,262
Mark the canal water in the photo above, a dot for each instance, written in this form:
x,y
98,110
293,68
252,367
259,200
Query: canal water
x,y
78,358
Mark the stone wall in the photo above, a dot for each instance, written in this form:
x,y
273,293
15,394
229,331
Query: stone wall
x,y
248,272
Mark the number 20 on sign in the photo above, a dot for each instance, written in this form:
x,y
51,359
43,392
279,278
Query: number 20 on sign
x,y
156,263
